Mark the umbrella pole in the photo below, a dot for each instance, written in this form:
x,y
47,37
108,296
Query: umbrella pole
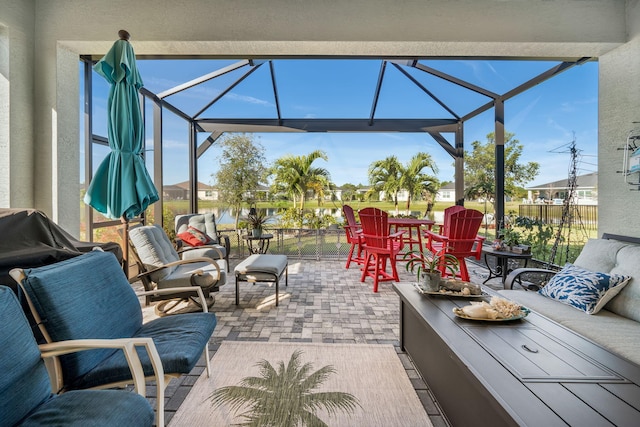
x,y
125,245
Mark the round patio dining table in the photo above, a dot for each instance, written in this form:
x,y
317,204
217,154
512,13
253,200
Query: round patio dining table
x,y
411,225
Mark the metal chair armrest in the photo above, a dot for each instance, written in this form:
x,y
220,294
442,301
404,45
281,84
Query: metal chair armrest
x,y
227,247
515,275
179,244
127,345
227,241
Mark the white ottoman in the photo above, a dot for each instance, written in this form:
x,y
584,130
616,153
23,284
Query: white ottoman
x,y
262,268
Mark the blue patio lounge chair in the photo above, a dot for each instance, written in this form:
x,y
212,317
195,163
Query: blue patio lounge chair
x,y
89,297
25,390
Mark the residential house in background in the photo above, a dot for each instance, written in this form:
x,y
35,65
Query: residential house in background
x,y
403,195
338,194
362,192
335,194
174,192
586,192
446,193
180,191
261,193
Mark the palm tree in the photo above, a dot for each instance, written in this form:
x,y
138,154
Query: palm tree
x,y
286,177
284,397
385,175
415,181
390,176
319,188
429,195
296,174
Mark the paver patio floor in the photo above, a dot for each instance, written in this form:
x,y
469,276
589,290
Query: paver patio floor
x,y
324,302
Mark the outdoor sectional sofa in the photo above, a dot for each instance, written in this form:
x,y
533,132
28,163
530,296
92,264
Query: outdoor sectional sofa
x,y
617,325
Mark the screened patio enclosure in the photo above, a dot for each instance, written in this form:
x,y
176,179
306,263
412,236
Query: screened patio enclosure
x,y
204,126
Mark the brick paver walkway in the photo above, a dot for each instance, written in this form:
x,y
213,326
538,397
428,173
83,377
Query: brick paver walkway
x,y
324,302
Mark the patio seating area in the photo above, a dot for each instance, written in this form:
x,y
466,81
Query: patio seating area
x,y
53,143
324,302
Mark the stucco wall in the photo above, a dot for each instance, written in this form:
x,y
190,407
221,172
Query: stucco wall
x,y
619,107
44,110
17,33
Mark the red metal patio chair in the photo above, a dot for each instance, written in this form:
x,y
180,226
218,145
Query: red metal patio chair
x,y
354,236
462,239
379,246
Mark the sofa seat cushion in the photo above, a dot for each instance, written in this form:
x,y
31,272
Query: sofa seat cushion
x,y
179,340
93,408
613,332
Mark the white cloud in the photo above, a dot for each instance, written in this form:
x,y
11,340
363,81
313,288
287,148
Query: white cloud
x,y
249,99
522,115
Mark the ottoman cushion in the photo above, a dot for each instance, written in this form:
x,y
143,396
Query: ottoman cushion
x,y
261,267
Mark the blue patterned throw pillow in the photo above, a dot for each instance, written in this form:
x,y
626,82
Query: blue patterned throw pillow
x,y
583,289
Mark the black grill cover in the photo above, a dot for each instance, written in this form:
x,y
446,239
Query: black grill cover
x,y
28,238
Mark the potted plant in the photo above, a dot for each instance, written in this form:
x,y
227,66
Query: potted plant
x,y
426,266
256,220
510,237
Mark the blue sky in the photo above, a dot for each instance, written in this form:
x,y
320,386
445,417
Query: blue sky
x,y
544,119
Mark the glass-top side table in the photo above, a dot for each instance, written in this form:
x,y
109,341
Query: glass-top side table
x,y
502,262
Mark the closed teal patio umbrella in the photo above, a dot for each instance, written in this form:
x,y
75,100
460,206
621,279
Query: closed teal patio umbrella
x,y
121,186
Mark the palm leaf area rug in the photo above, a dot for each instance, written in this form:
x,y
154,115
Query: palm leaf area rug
x,y
302,384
